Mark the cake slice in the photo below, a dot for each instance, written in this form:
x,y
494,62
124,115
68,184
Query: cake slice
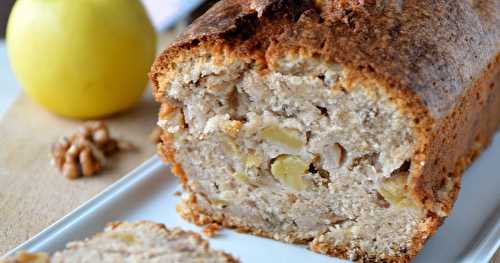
x,y
142,241
343,125
26,257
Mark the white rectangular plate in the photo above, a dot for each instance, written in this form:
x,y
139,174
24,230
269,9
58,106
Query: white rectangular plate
x,y
471,234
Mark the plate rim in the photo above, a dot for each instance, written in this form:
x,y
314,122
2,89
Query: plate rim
x,y
129,180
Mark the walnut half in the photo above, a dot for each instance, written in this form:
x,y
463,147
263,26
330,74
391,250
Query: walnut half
x,y
85,152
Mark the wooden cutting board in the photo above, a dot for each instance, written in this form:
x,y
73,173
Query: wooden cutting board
x,y
33,194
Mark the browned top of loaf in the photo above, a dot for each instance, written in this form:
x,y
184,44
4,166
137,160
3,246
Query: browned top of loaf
x,y
433,48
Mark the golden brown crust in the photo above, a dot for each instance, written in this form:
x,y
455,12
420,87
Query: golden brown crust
x,y
27,257
211,229
423,46
167,154
192,212
247,26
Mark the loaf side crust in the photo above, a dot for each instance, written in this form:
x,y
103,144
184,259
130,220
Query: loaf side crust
x,y
190,211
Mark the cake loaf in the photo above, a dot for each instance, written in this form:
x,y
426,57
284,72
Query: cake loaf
x,y
141,241
343,125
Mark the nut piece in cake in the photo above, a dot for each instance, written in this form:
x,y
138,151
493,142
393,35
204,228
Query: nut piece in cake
x,y
394,191
284,136
290,170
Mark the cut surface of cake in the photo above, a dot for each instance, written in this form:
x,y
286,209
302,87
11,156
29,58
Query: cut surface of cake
x,y
142,241
343,125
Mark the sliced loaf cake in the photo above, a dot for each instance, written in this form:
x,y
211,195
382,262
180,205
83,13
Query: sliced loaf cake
x,y
141,241
344,125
